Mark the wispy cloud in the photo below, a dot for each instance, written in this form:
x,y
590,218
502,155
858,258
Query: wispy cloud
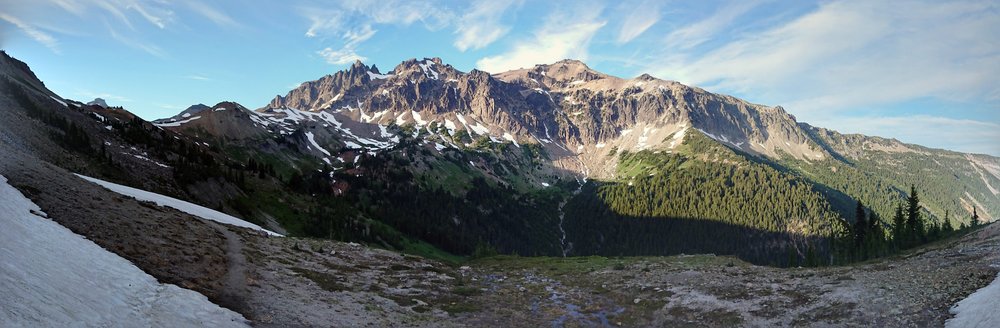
x,y
343,21
564,35
323,21
158,16
481,25
348,52
431,14
32,32
334,20
641,16
149,48
212,14
701,31
850,54
52,15
198,77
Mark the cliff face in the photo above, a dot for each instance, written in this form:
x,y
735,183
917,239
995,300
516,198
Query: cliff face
x,y
565,103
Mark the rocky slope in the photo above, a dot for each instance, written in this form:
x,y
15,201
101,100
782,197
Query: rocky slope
x,y
309,282
410,142
582,118
566,106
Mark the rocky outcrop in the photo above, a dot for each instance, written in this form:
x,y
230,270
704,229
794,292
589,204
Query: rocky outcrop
x,y
566,103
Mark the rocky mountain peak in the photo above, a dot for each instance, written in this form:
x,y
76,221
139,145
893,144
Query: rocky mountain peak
x,y
426,69
13,67
572,70
358,65
565,102
195,109
645,77
226,105
98,102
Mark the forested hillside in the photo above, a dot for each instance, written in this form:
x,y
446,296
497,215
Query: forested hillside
x,y
879,172
702,197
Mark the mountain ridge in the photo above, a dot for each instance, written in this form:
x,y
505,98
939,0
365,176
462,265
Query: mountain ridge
x,y
422,140
579,116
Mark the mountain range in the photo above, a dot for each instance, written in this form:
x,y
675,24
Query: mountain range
x,y
558,159
427,196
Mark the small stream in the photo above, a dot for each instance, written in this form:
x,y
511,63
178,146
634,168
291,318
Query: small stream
x,y
562,239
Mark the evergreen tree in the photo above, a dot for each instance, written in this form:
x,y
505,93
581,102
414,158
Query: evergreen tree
x,y
876,235
975,218
899,228
947,228
934,231
914,224
860,230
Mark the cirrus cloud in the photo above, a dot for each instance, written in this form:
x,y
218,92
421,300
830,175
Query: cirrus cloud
x,y
564,35
481,26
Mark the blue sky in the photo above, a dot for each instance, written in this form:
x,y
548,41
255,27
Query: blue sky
x,y
924,72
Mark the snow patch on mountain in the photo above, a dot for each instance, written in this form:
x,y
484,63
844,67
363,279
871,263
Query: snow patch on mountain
x,y
428,71
376,76
312,140
481,129
678,137
979,309
52,277
177,123
59,101
193,209
510,138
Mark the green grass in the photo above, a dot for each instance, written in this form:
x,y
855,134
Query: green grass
x,y
585,264
466,291
459,307
326,281
551,265
423,249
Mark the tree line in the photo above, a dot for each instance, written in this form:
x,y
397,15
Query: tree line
x,y
871,237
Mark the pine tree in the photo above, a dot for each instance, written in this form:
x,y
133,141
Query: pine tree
x,y
914,224
860,229
876,235
934,231
899,229
947,228
975,218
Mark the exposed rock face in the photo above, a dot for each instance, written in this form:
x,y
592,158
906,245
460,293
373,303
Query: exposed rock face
x,y
186,113
226,119
98,102
565,106
581,117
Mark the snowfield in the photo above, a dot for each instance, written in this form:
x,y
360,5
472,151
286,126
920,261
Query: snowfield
x,y
51,277
193,209
981,309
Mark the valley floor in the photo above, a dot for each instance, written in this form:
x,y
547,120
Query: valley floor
x,y
276,281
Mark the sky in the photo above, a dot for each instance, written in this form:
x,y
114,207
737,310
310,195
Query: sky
x,y
923,72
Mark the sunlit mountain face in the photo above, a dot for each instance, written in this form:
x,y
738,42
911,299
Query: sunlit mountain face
x,y
499,163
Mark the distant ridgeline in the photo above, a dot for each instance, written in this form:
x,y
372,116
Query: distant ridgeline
x,y
553,160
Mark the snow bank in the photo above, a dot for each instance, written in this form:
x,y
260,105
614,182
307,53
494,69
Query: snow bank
x,y
193,209
312,140
51,277
177,123
981,309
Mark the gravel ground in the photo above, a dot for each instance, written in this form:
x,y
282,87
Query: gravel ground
x,y
915,289
303,282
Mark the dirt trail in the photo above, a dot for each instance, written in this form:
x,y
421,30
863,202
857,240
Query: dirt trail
x,y
234,292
